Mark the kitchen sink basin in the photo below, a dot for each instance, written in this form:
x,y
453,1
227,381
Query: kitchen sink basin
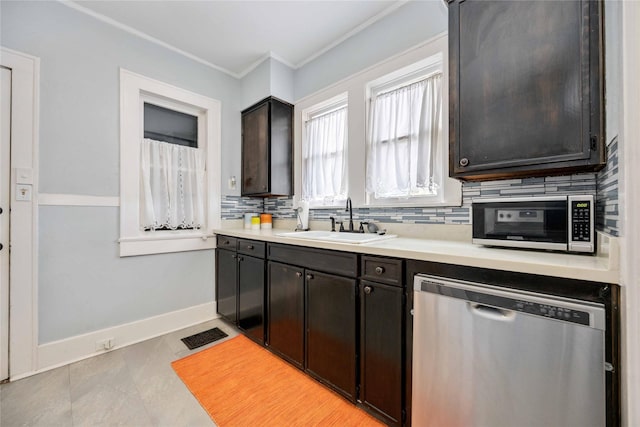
x,y
334,236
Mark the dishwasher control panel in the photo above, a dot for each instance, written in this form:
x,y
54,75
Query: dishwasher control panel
x,y
553,312
528,306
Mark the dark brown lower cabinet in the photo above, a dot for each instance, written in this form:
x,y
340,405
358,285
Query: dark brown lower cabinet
x,y
286,312
251,297
331,331
381,350
226,284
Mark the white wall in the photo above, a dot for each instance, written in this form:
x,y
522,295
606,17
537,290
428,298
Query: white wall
x,y
83,285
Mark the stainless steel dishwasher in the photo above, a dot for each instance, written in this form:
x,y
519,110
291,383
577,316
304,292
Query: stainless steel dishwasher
x,y
486,356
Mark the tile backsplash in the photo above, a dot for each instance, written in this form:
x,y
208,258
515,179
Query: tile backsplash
x,y
603,185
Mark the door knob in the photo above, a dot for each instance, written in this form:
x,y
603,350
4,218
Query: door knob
x,y
464,162
309,276
298,274
368,290
379,270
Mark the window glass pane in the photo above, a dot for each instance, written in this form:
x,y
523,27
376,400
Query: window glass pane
x,y
405,131
324,161
163,124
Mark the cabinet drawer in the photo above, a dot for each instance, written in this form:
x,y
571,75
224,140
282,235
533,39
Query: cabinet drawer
x,y
343,263
226,242
383,270
251,247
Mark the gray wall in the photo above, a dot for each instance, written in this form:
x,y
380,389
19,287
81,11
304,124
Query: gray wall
x,y
256,85
83,284
411,24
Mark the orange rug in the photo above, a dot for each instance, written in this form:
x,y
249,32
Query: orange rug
x,y
241,384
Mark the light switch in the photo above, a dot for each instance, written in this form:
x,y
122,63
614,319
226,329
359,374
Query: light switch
x,y
23,192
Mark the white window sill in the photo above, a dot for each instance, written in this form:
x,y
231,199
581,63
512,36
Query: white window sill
x,y
166,242
412,204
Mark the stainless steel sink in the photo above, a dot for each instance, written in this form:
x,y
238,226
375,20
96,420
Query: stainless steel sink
x,y
334,236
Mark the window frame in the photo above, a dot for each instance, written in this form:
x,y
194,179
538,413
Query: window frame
x,y
320,108
356,88
135,90
406,76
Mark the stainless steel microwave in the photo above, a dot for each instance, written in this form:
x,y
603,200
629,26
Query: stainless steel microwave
x,y
562,223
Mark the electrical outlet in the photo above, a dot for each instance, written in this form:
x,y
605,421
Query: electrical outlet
x,y
105,344
232,183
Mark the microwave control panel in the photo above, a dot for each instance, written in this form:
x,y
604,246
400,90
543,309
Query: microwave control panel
x,y
581,221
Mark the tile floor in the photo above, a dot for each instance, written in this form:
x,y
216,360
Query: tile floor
x,y
131,386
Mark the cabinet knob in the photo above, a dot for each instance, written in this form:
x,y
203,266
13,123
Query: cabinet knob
x,y
240,258
309,276
234,256
379,270
464,162
368,290
264,187
250,247
298,274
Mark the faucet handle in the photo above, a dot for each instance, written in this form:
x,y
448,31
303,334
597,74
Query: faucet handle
x,y
341,225
333,223
361,229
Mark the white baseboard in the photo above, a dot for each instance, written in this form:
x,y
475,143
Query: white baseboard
x,y
59,353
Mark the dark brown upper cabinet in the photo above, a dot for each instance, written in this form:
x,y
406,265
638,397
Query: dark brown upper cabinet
x,y
525,88
267,147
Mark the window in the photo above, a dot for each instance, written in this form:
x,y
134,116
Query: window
x,y
324,153
397,151
170,162
404,134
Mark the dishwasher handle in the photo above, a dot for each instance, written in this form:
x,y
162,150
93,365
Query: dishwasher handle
x,y
492,313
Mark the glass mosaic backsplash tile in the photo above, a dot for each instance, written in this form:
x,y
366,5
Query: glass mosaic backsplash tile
x,y
603,185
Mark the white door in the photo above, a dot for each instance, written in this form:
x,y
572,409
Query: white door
x,y
5,180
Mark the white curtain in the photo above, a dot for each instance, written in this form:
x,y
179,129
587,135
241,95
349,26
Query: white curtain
x,y
172,186
324,160
405,130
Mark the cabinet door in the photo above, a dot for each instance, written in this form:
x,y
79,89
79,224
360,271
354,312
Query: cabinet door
x,y
331,331
381,335
286,311
255,150
525,97
226,284
251,297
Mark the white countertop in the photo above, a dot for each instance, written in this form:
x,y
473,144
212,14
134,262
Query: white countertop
x,y
599,268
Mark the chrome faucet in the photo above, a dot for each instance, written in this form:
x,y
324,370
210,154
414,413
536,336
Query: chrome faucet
x,y
349,209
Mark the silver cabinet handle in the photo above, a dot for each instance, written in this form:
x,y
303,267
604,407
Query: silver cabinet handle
x,y
309,276
298,274
250,247
379,270
368,290
464,162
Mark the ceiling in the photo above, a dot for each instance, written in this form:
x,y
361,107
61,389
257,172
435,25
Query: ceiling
x,y
236,35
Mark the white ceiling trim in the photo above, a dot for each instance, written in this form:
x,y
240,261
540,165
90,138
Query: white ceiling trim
x,y
353,32
117,24
263,58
